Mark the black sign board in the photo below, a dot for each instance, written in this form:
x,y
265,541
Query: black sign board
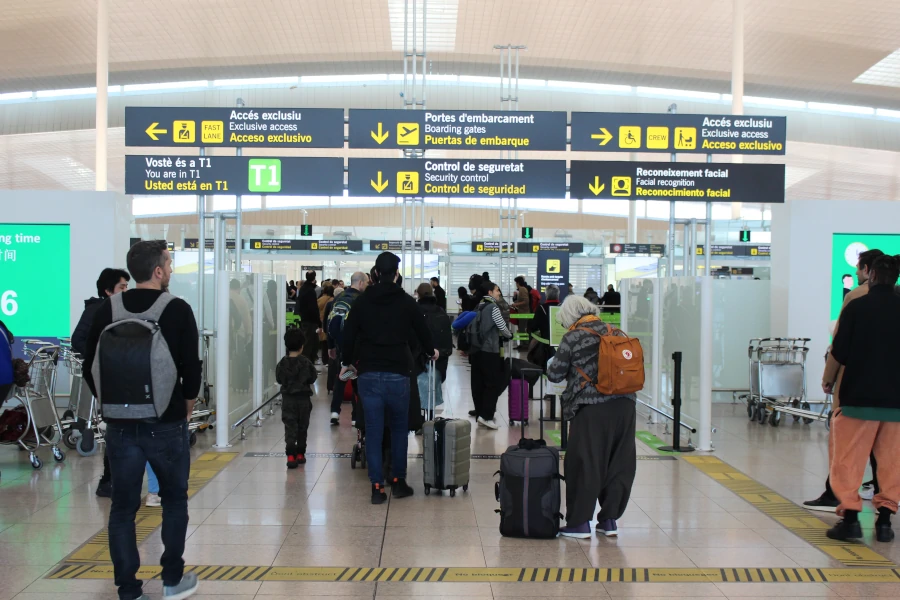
x,y
735,250
396,245
237,175
133,241
659,249
194,244
173,126
480,247
307,245
553,269
681,133
684,182
535,247
457,130
457,178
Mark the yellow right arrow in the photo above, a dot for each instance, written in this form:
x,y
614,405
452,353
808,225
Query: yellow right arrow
x,y
380,137
596,187
152,131
379,187
604,136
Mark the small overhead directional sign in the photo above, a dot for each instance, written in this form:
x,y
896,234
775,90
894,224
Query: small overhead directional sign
x,y
528,233
681,181
682,133
193,175
457,130
306,230
231,127
457,178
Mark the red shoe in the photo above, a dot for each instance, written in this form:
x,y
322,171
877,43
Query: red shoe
x,y
292,461
301,459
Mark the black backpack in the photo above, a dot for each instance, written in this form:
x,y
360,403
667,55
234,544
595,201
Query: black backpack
x,y
441,332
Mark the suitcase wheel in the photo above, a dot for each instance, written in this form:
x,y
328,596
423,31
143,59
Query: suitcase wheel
x,y
466,488
427,490
452,492
353,460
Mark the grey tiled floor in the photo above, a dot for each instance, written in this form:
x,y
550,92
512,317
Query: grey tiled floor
x,y
255,512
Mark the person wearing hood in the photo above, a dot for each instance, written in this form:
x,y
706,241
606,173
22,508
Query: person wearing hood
x,y
439,324
377,334
307,308
110,283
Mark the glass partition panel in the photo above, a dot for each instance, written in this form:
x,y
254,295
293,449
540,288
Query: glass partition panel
x,y
271,343
241,300
740,313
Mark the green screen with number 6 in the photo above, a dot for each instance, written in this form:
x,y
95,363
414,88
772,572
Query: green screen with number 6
x,y
34,279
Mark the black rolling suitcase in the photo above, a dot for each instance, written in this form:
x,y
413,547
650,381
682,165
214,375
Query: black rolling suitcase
x,y
529,489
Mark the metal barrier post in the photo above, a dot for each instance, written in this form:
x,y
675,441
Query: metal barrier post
x,y
676,402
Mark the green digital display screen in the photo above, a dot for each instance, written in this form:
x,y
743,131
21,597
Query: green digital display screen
x,y
34,279
845,251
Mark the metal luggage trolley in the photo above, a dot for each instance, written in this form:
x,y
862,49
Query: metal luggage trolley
x,y
38,398
81,420
778,381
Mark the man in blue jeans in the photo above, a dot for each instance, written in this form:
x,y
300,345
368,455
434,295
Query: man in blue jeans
x,y
163,443
376,337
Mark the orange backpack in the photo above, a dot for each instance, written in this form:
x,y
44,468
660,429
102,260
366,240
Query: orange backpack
x,y
620,363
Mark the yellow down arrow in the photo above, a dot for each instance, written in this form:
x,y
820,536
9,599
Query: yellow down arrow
x,y
379,187
596,187
152,131
380,137
604,136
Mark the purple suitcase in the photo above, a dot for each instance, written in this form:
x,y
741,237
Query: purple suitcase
x,y
518,394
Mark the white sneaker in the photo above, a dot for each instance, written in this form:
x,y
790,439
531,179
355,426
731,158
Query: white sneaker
x,y
153,500
490,424
335,418
867,492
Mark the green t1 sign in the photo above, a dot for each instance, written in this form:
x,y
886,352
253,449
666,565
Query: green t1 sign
x,y
34,279
264,175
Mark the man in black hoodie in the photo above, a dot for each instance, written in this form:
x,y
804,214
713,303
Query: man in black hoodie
x,y
307,308
376,336
110,283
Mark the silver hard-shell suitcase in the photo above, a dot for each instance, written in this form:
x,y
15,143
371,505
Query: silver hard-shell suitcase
x,y
447,447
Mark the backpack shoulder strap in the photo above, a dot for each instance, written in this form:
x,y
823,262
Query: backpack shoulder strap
x,y
120,313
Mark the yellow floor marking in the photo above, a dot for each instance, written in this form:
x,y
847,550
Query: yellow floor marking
x,y
794,518
148,519
500,575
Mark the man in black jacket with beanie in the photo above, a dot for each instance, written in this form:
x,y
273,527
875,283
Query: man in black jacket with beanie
x,y
376,336
307,308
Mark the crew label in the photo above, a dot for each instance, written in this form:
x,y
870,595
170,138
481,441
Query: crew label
x,y
251,127
196,175
457,130
464,178
700,134
700,182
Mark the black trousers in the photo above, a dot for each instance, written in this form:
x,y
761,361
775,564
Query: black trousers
x,y
600,461
487,382
311,346
295,411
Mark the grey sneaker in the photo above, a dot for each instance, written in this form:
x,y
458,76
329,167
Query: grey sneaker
x,y
185,588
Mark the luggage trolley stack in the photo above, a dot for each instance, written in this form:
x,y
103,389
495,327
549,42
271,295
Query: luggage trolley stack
x,y
778,381
81,420
43,427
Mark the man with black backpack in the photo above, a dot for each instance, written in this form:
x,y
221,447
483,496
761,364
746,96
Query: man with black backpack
x,y
142,362
335,326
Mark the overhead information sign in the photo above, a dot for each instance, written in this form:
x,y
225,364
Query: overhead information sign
x,y
690,182
457,130
534,247
307,245
457,178
696,134
396,245
236,175
247,127
735,250
659,249
194,244
480,247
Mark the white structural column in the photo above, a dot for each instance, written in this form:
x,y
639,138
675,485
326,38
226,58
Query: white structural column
x,y
223,379
737,77
100,157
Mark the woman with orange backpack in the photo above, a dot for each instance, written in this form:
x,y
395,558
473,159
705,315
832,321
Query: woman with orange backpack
x,y
602,369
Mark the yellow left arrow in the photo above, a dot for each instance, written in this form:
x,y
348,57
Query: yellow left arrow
x,y
380,185
152,131
596,187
